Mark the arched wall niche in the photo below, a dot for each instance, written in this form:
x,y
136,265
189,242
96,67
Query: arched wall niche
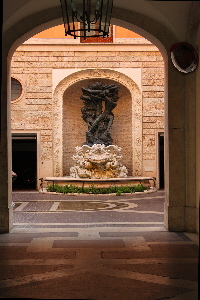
x,y
74,127
133,149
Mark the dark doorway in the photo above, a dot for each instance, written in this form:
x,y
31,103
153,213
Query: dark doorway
x,y
24,161
161,159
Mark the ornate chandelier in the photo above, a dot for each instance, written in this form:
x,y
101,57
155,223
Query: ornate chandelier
x,y
87,18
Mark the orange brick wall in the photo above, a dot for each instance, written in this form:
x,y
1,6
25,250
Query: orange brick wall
x,y
59,32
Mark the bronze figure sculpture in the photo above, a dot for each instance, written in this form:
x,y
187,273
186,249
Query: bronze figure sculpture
x,y
99,121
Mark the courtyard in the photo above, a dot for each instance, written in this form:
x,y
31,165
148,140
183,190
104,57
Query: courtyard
x,y
46,210
96,247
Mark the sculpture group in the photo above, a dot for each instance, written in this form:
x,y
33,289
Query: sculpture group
x,y
98,158
99,121
98,162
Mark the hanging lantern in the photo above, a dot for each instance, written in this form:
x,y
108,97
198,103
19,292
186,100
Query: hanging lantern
x,y
87,18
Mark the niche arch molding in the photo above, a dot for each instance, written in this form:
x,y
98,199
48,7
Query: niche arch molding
x,y
75,77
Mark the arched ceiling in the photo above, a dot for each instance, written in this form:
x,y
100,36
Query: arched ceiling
x,y
173,15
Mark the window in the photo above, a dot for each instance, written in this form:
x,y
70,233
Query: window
x,y
16,89
98,39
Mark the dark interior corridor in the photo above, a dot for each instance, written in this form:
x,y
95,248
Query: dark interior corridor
x,y
24,161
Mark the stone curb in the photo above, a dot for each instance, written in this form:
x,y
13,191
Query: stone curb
x,y
44,191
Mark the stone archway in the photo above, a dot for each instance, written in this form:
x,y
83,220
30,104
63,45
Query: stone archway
x,y
180,204
58,114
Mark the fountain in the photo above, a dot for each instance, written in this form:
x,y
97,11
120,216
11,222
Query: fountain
x,y
98,158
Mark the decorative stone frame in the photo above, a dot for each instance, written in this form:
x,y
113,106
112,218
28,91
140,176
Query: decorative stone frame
x,y
58,114
22,89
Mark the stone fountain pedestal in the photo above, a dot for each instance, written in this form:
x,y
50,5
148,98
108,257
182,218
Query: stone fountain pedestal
x,y
98,162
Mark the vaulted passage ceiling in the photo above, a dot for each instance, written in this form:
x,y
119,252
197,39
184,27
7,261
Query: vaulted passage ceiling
x,y
172,14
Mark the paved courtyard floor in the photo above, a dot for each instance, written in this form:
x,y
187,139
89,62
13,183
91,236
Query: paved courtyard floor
x,y
96,247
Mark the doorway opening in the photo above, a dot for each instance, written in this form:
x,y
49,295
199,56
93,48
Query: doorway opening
x,y
24,160
161,160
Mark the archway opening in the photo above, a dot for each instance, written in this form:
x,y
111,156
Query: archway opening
x,y
138,116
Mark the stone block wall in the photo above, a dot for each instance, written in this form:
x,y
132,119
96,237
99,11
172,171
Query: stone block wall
x,y
153,114
33,64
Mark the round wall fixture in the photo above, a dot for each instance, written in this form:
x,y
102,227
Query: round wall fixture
x,y
184,57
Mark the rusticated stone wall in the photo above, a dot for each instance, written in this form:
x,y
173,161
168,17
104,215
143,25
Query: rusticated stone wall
x,y
137,119
153,116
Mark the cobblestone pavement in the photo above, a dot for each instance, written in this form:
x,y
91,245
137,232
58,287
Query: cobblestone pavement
x,y
96,247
